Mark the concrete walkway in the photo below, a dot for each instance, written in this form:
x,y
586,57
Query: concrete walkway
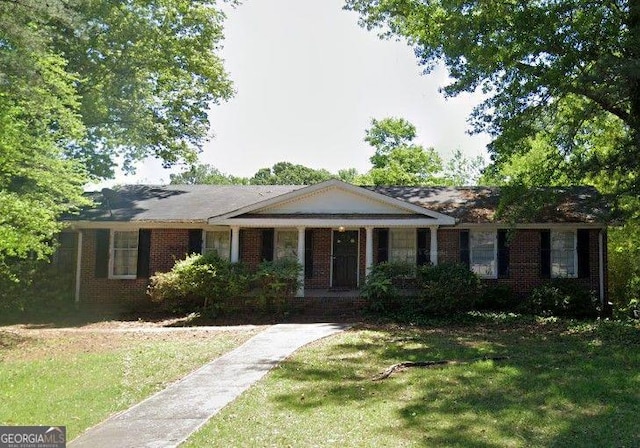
x,y
168,418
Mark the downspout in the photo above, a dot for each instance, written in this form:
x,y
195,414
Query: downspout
x,y
78,269
601,268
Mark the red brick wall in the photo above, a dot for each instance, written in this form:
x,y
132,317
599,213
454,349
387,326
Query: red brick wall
x,y
169,245
251,247
103,290
321,276
524,259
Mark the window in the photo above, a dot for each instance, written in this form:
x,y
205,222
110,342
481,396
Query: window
x,y
286,244
218,241
483,253
125,254
563,254
402,245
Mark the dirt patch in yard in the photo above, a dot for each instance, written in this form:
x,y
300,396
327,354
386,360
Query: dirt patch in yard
x,y
22,344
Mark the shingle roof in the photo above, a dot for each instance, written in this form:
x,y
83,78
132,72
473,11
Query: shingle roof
x,y
176,203
197,203
480,204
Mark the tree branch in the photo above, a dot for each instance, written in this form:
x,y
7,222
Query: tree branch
x,y
428,364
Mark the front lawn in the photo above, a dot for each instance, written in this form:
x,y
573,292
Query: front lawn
x,y
79,378
563,384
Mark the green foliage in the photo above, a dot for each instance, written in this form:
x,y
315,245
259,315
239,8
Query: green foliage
x,y
278,280
83,82
562,297
460,170
199,281
38,184
383,285
497,298
38,288
412,292
561,68
447,288
206,174
624,267
397,161
149,73
285,173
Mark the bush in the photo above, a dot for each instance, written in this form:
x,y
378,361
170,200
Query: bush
x,y
562,298
497,298
278,280
383,285
36,286
199,281
624,267
447,288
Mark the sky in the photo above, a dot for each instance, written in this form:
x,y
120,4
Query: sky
x,y
308,81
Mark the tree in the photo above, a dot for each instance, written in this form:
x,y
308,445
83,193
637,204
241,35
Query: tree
x,y
84,81
558,67
206,174
460,170
37,183
286,173
397,161
148,73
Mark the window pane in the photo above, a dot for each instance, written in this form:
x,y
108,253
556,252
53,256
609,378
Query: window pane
x,y
563,254
402,245
483,254
286,244
125,253
218,241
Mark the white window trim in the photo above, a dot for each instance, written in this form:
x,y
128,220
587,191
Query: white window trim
x,y
203,249
415,244
575,252
112,276
495,252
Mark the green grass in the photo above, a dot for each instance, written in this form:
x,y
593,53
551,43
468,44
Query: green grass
x,y
564,384
79,379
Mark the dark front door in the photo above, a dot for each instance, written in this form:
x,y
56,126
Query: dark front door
x,y
345,259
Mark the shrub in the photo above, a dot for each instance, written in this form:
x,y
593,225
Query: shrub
x,y
278,280
199,281
497,298
562,297
35,286
383,285
447,288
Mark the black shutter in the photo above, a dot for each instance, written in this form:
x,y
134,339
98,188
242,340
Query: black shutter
x,y
102,253
383,245
545,253
308,253
195,241
423,247
464,248
503,254
267,244
583,253
144,250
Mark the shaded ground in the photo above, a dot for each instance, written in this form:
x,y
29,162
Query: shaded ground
x,y
564,384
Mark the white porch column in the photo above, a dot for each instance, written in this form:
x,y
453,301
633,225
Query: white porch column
x,y
301,258
235,244
369,250
433,248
